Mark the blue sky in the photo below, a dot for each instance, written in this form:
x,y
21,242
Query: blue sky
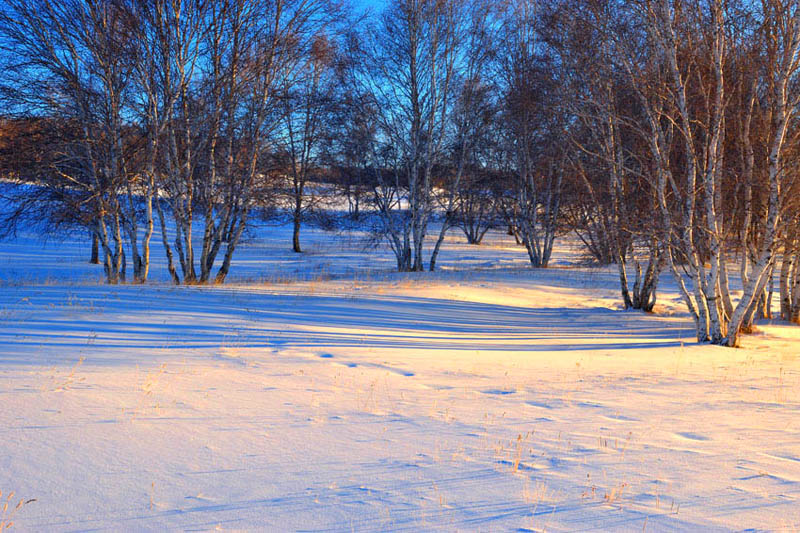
x,y
376,4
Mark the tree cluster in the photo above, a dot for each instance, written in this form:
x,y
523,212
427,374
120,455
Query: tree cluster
x,y
662,133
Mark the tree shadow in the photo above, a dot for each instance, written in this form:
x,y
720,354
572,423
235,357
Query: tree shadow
x,y
129,323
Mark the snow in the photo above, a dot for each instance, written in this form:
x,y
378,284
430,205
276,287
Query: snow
x,y
323,392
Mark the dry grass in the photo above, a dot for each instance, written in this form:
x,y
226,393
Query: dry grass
x,y
9,509
61,383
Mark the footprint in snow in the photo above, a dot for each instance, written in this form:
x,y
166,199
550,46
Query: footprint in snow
x,y
688,435
435,387
622,418
349,364
498,392
590,404
331,356
549,404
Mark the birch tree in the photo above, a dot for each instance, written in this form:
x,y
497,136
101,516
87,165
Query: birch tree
x,y
692,44
608,143
473,111
307,111
534,123
230,64
781,27
408,76
75,61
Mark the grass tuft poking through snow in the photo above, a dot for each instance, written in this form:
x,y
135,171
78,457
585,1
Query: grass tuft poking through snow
x,y
8,509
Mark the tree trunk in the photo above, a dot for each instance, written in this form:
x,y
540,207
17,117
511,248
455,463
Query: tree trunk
x,y
296,221
439,241
165,241
95,259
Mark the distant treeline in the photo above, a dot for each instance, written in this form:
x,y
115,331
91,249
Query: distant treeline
x,y
663,133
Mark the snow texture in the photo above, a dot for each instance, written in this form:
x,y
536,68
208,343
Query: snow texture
x,y
322,391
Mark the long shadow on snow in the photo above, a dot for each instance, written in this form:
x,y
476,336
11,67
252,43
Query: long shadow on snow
x,y
181,321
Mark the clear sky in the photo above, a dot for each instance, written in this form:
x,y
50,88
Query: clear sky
x,y
375,4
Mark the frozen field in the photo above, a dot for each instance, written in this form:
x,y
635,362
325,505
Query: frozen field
x,y
324,392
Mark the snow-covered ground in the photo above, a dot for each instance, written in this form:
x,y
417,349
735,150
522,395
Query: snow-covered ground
x,y
323,392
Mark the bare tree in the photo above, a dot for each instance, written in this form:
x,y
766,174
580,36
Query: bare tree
x,y
408,76
224,71
534,130
608,145
75,60
473,110
682,78
308,109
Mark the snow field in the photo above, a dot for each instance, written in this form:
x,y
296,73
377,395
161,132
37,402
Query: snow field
x,y
324,392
